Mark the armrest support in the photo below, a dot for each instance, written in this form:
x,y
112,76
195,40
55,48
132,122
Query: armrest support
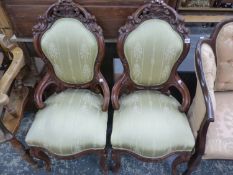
x,y
117,90
106,93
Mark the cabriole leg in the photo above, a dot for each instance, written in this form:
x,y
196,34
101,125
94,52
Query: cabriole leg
x,y
39,154
193,163
178,160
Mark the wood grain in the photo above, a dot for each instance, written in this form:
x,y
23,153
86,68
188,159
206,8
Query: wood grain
x,y
5,26
110,15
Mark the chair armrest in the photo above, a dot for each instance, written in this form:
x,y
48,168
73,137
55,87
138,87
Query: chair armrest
x,y
105,90
202,109
13,70
206,79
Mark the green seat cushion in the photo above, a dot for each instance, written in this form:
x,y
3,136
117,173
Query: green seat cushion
x,y
151,50
71,122
150,125
72,49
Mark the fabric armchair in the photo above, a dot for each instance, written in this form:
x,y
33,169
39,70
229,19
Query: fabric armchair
x,y
213,99
148,122
73,120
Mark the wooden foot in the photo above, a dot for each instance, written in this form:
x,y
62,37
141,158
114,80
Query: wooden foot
x,y
193,163
23,151
39,154
117,162
178,160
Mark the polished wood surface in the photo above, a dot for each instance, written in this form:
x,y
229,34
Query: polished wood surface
x,y
5,26
110,14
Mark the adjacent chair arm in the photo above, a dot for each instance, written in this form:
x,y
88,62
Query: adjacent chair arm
x,y
209,114
41,87
105,90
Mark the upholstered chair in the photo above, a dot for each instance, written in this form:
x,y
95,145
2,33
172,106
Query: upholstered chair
x,y
214,96
148,122
73,120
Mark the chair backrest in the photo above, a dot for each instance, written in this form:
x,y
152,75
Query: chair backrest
x,y
152,45
222,44
70,42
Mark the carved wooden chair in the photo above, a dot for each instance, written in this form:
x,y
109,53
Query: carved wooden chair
x,y
73,121
213,99
13,95
148,122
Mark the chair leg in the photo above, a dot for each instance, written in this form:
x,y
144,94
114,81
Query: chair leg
x,y
193,163
16,144
39,154
103,162
117,162
178,160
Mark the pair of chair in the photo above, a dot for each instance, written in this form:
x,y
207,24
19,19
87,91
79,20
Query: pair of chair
x,y
148,122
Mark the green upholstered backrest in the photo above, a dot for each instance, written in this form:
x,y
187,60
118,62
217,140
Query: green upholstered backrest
x,y
72,50
151,51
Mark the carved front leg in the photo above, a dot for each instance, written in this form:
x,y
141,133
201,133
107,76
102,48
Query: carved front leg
x,y
116,92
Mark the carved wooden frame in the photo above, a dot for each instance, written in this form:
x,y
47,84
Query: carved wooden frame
x,y
209,115
155,9
69,9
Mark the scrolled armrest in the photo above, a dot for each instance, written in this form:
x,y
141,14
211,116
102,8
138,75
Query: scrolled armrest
x,y
206,73
201,112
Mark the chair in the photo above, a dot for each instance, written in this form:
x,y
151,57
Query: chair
x,y
213,99
73,121
148,122
13,95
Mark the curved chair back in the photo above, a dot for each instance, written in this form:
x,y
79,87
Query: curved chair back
x,y
152,45
71,44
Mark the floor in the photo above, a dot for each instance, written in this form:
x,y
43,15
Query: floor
x,y
12,163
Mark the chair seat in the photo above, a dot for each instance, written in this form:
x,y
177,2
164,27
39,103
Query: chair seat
x,y
71,122
149,124
219,142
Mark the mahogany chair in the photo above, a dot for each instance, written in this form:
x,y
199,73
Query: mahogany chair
x,y
148,122
213,99
73,121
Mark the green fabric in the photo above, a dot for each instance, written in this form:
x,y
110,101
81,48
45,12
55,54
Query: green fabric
x,y
151,51
72,49
150,124
71,122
